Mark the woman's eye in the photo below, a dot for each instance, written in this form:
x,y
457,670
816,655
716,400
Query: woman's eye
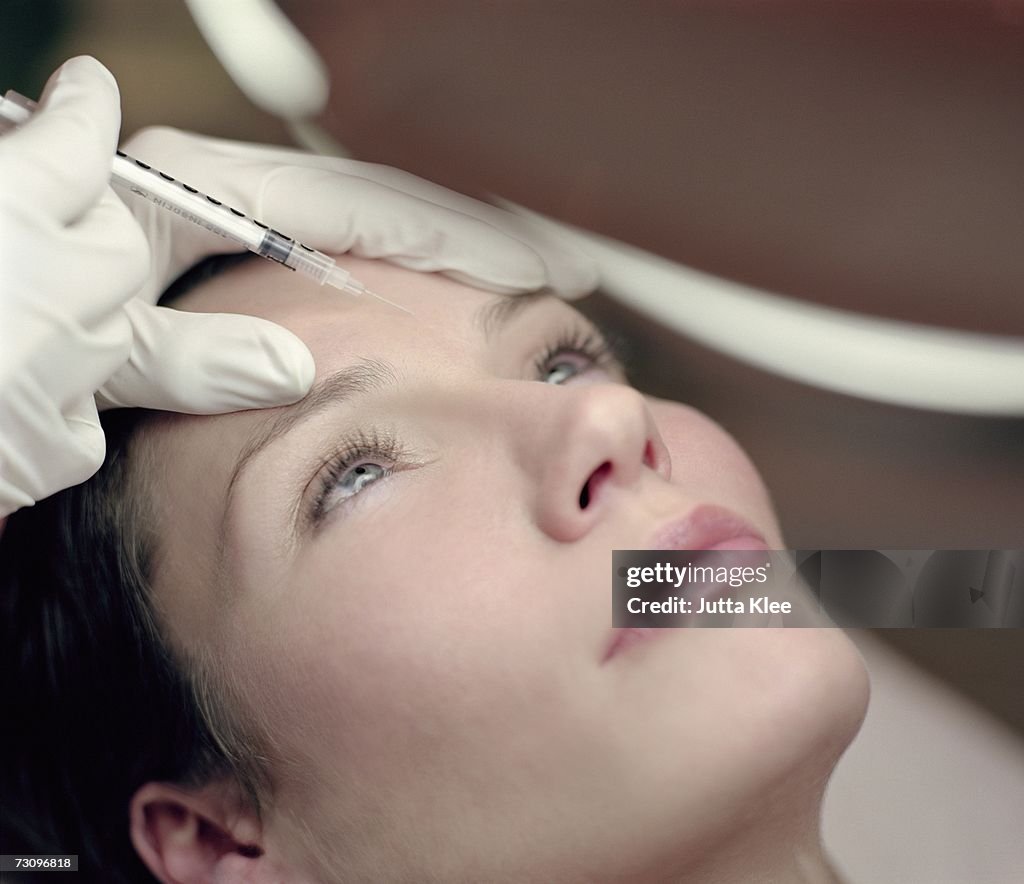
x,y
558,372
575,353
361,464
357,478
343,483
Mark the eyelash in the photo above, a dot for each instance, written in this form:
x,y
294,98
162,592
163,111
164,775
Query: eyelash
x,y
360,446
598,351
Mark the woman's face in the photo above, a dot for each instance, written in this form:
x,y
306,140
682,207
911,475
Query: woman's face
x,y
410,579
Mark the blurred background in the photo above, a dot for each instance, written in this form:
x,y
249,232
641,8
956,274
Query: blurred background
x,y
844,473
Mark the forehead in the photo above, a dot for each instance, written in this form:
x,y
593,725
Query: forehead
x,y
327,319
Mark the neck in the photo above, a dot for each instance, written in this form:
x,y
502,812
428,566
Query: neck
x,y
767,857
777,841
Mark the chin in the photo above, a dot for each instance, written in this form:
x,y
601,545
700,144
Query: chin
x,y
739,719
816,691
802,692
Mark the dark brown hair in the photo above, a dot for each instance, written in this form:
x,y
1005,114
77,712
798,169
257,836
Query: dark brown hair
x,y
95,701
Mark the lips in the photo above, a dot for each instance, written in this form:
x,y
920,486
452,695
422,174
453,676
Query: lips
x,y
706,527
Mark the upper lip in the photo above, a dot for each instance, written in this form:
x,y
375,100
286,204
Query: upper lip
x,y
702,528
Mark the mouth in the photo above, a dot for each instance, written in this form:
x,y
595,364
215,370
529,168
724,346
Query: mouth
x,y
703,528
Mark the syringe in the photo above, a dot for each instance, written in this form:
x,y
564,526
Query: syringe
x,y
208,212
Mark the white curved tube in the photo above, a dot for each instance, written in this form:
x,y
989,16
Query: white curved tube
x,y
880,359
272,63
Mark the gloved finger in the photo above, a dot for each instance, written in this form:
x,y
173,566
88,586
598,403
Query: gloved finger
x,y
103,260
58,163
345,213
75,277
85,440
474,241
207,363
75,362
51,449
337,205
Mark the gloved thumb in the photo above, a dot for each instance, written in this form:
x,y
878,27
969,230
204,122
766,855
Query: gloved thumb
x,y
207,363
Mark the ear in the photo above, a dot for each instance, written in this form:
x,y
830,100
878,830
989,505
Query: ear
x,y
197,836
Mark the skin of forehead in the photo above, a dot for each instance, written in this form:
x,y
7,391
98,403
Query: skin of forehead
x,y
268,291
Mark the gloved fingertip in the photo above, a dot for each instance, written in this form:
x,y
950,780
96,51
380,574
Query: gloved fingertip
x,y
567,280
577,281
541,264
511,270
85,65
288,369
81,68
301,373
90,444
570,272
488,285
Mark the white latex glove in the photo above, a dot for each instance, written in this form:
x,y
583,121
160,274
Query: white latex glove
x,y
79,276
72,259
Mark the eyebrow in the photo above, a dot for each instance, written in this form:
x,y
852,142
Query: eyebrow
x,y
367,376
491,318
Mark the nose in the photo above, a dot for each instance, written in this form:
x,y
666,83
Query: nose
x,y
587,441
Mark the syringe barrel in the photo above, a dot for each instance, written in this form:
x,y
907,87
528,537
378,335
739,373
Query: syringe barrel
x,y
309,262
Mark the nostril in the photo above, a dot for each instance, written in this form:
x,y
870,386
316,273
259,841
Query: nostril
x,y
649,456
591,485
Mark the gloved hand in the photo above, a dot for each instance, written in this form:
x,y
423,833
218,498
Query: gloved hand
x,y
80,274
72,259
340,205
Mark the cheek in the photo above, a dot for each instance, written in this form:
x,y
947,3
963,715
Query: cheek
x,y
402,632
710,464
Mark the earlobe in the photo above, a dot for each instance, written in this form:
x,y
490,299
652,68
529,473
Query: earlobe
x,y
193,837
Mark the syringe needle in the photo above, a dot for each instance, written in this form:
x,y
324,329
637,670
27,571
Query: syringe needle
x,y
340,278
389,303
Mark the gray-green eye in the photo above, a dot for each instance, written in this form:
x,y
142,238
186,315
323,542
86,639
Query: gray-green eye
x,y
357,478
561,371
575,352
362,460
343,482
